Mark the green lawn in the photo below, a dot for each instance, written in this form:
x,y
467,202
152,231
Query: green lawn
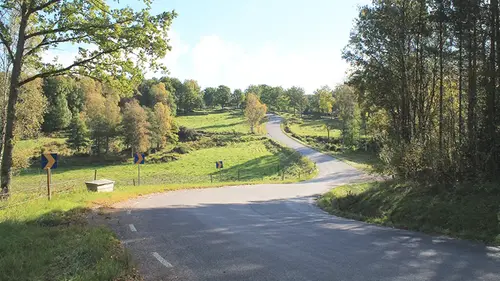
x,y
231,121
313,127
252,159
464,212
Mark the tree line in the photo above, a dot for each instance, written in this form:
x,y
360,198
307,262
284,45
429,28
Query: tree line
x,y
427,75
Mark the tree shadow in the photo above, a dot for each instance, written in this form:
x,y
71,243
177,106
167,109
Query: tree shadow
x,y
287,239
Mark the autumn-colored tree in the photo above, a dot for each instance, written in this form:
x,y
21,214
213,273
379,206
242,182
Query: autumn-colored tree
x,y
254,111
162,125
30,109
136,127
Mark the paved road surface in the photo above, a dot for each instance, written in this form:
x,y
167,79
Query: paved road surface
x,y
274,232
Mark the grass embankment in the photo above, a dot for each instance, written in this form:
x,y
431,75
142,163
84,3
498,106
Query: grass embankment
x,y
463,212
312,132
52,240
218,122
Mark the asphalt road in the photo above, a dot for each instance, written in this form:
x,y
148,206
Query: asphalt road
x,y
275,232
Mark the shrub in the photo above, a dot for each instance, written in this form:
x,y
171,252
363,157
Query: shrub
x,y
181,149
187,134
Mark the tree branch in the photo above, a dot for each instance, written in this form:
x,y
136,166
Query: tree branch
x,y
75,64
44,42
41,7
74,28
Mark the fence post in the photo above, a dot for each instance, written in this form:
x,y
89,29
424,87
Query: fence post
x,y
95,174
211,178
283,175
133,181
238,175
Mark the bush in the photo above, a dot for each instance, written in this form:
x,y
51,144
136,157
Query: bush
x,y
187,134
181,149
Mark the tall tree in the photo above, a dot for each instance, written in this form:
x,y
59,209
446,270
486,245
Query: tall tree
x,y
296,97
78,134
209,96
30,110
254,111
58,114
113,35
223,95
136,127
237,98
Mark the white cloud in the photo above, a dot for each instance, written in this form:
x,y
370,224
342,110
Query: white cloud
x,y
216,62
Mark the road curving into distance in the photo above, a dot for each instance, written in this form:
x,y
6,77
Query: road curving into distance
x,y
275,232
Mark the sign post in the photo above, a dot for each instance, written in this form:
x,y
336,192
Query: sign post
x,y
49,162
139,159
219,165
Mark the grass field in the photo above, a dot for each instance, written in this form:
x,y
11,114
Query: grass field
x,y
462,212
313,133
230,121
313,127
53,240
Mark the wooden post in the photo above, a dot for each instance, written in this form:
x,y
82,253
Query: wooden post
x,y
283,175
95,174
238,175
138,174
211,178
49,194
133,181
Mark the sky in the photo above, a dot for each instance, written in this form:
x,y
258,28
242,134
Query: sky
x,y
242,42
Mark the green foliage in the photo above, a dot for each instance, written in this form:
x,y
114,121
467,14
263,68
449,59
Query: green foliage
x,y
58,115
348,112
296,96
324,100
222,96
209,96
189,96
187,134
79,134
237,98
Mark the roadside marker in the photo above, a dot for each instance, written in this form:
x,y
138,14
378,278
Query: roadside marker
x,y
162,260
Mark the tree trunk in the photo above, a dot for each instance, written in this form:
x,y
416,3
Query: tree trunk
x,y
6,169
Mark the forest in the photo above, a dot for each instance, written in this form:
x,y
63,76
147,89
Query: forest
x,y
427,77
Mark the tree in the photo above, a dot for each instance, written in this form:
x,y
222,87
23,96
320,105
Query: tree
x,y
296,98
223,95
254,111
136,127
58,114
189,96
348,113
209,96
271,96
30,110
162,125
237,98
324,97
79,134
107,39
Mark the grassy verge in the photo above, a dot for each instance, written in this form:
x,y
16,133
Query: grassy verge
x,y
52,240
463,212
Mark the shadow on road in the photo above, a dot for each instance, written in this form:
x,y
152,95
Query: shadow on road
x,y
292,240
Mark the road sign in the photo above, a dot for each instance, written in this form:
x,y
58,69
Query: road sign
x,y
139,158
49,161
219,165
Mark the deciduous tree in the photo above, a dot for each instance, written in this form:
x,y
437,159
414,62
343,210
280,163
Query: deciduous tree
x,y
254,111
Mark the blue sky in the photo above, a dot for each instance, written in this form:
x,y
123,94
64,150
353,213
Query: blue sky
x,y
243,42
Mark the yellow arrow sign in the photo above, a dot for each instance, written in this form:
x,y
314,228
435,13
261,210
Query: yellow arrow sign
x,y
139,158
50,162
